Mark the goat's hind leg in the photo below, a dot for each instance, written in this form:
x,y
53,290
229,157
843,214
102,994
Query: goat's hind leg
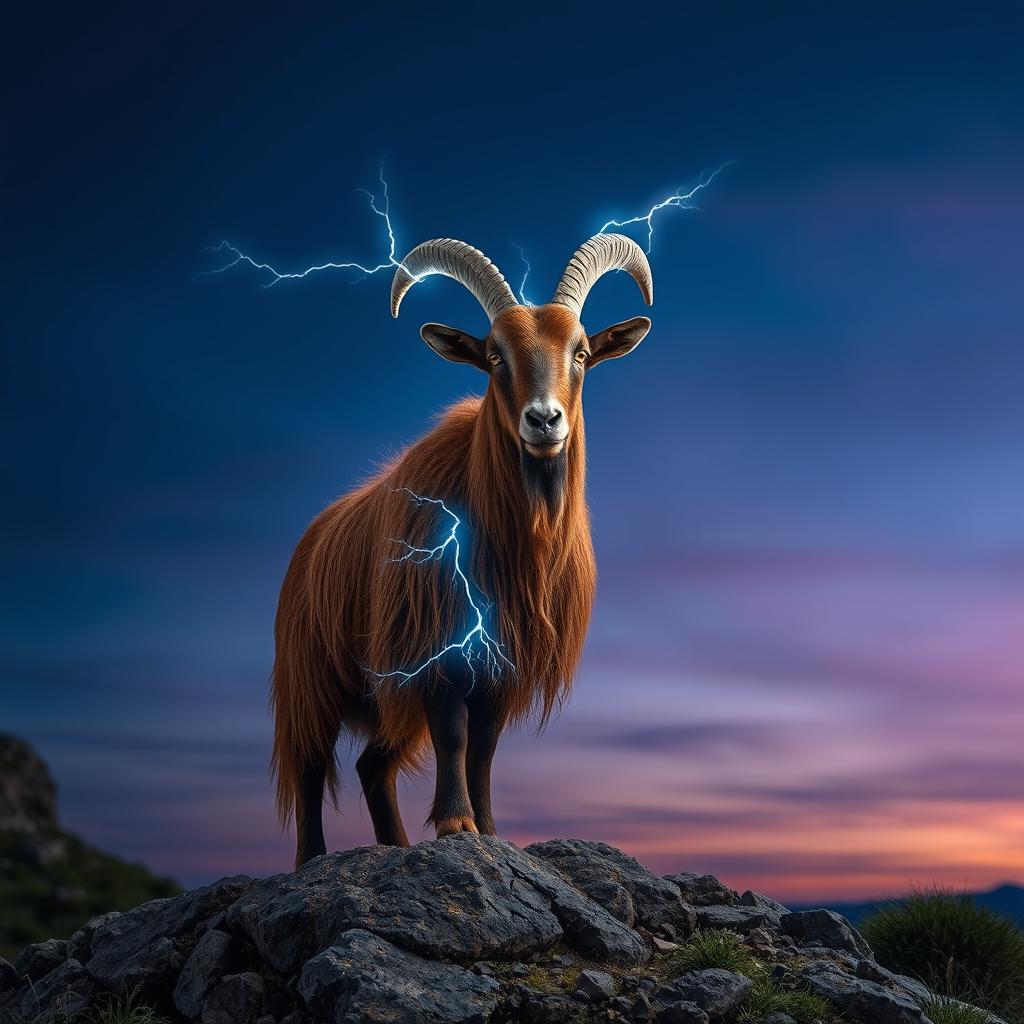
x,y
378,769
309,805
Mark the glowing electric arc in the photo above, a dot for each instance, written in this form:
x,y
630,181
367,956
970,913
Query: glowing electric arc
x,y
477,645
678,199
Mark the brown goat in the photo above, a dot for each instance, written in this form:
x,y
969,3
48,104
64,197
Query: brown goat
x,y
356,618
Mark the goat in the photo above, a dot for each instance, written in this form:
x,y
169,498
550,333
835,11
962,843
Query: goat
x,y
355,617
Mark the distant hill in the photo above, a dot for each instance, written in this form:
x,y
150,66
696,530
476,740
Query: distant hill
x,y
1007,900
52,882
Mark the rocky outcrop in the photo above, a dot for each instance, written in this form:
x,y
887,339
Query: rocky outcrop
x,y
468,929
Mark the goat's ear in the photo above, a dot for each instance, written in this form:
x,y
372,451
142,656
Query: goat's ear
x,y
618,340
455,346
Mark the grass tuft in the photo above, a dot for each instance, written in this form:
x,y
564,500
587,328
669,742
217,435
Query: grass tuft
x,y
706,949
945,1011
803,1007
958,949
127,1010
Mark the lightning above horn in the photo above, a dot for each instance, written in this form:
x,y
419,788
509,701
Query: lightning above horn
x,y
477,646
678,199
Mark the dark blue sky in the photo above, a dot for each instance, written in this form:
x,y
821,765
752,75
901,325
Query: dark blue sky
x,y
805,665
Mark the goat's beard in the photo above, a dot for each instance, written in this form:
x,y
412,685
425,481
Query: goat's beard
x,y
544,480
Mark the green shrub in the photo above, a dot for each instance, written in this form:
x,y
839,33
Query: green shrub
x,y
710,949
955,947
803,1007
944,1011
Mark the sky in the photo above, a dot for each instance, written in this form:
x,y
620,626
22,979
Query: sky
x,y
804,668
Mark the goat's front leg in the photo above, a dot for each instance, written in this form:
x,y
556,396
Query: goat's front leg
x,y
448,717
485,728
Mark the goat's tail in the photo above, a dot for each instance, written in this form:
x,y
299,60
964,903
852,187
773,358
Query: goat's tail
x,y
306,702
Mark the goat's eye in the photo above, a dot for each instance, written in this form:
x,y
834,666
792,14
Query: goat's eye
x,y
582,356
495,359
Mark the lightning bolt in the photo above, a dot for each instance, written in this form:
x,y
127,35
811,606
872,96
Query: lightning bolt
x,y
477,646
679,199
526,273
383,211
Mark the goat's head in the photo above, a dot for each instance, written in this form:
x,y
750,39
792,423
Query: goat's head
x,y
536,356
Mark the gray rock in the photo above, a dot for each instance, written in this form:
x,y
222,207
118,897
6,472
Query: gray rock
x,y
364,978
37,960
703,890
136,949
635,1007
590,867
771,909
663,945
464,898
80,944
778,1018
734,919
681,1013
66,990
216,954
825,928
860,1000
716,991
595,985
238,999
760,938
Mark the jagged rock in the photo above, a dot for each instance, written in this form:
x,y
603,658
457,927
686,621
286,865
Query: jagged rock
x,y
824,928
772,910
591,866
734,918
364,978
778,1018
635,1007
702,890
216,955
663,945
715,991
80,944
67,989
37,960
464,898
238,999
760,938
681,1013
595,985
136,949
860,1000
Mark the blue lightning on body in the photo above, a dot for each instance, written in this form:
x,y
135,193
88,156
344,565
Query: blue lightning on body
x,y
383,211
679,199
477,647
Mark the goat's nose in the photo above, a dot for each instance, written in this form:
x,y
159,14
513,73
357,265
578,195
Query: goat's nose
x,y
543,416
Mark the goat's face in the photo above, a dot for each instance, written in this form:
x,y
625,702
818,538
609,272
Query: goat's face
x,y
537,357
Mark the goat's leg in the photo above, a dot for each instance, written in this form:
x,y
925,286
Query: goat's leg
x,y
378,769
448,717
309,822
485,728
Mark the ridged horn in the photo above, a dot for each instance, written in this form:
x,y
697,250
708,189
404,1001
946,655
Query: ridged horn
x,y
594,258
462,263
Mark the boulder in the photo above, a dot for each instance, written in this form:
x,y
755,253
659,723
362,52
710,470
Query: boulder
x,y
771,909
137,949
465,898
716,991
702,890
860,1000
681,1013
825,928
80,943
601,872
65,991
8,976
37,960
237,999
216,955
364,978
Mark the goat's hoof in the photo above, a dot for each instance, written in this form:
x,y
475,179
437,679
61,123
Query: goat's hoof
x,y
449,826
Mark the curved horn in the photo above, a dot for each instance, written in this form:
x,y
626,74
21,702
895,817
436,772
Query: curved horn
x,y
594,258
459,261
